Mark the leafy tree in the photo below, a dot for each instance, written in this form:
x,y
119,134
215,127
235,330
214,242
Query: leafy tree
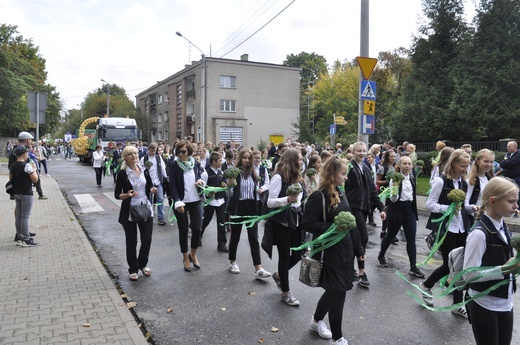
x,y
488,77
337,93
312,66
426,96
22,69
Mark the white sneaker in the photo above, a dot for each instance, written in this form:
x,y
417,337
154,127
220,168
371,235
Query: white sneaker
x,y
340,341
321,328
289,299
427,299
460,311
262,274
233,268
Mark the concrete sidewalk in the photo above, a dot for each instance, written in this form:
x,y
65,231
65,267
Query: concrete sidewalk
x,y
57,293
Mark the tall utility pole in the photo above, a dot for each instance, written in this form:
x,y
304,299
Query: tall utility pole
x,y
108,97
203,93
363,51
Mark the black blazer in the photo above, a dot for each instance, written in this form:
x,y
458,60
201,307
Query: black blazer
x,y
177,180
360,189
123,185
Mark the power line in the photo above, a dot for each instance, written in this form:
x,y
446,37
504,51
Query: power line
x,y
263,26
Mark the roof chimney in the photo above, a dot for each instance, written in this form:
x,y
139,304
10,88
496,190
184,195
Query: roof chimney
x,y
244,57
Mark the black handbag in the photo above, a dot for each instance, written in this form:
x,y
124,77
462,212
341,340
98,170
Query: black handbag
x,y
310,269
9,188
140,213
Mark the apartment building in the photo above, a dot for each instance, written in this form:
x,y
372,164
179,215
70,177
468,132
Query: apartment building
x,y
221,100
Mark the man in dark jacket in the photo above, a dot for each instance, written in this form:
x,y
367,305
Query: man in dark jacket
x,y
511,164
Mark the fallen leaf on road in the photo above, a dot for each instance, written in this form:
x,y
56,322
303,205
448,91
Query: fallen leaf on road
x,y
86,325
169,310
261,340
131,305
274,329
222,308
251,293
147,336
123,295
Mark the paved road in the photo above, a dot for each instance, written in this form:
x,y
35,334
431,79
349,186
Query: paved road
x,y
211,306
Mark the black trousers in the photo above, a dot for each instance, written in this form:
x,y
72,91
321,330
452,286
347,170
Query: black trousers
x,y
490,327
220,211
452,241
285,238
194,210
361,223
245,208
135,262
99,173
332,302
406,219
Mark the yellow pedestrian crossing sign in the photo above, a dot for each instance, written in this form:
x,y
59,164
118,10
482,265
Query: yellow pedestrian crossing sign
x,y
369,107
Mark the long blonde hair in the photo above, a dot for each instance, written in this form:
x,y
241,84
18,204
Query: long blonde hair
x,y
498,187
327,176
473,174
455,157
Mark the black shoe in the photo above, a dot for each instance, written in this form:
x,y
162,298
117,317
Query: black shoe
x,y
221,247
32,234
414,271
382,261
29,243
363,280
372,223
395,240
161,222
197,266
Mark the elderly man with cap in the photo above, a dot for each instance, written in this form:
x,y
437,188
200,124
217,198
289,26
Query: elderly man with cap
x,y
23,175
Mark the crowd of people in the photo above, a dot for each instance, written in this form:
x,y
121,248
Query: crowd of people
x,y
330,180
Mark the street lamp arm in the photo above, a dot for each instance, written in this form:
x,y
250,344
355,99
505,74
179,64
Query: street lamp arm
x,y
190,42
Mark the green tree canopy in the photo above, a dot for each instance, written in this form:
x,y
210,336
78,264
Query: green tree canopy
x,y
22,69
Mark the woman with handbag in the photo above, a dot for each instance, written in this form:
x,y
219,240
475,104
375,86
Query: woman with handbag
x,y
134,187
185,175
338,260
287,231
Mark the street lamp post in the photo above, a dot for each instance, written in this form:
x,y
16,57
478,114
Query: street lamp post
x,y
81,106
203,86
108,97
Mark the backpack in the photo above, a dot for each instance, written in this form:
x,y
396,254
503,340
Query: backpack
x,y
456,266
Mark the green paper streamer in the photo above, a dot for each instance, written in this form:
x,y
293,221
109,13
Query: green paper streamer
x,y
326,240
449,213
249,221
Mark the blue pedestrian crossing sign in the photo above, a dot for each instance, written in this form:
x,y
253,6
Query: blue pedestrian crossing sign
x,y
368,90
332,129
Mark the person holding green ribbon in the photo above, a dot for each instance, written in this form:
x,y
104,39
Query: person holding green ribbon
x,y
455,226
338,260
489,245
287,230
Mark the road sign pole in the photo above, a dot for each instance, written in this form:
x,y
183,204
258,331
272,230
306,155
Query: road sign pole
x,y
37,119
364,44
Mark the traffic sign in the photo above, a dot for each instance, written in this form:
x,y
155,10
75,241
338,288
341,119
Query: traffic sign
x,y
368,90
332,129
367,65
369,107
339,120
368,124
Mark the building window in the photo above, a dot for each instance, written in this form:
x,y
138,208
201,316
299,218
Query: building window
x,y
179,96
159,117
166,99
228,82
159,99
228,106
165,116
166,136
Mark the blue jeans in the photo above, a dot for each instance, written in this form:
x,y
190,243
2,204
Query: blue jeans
x,y
159,197
22,212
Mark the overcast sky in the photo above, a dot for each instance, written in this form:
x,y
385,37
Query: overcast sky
x,y
133,43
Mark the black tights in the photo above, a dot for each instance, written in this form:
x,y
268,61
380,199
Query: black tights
x,y
332,302
285,238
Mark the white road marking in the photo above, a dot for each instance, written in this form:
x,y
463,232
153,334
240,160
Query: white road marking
x,y
87,203
110,196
